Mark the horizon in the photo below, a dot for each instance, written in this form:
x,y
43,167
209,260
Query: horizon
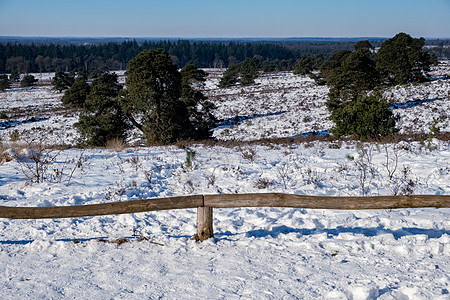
x,y
201,19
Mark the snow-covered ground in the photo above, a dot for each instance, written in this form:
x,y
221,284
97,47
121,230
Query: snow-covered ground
x,y
257,253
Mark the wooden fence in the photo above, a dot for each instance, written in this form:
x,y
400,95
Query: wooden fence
x,y
206,203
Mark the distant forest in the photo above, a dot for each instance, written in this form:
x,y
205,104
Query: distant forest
x,y
26,58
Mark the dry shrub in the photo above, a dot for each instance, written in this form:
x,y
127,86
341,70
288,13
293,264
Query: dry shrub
x,y
116,145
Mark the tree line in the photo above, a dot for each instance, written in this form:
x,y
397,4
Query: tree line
x,y
38,58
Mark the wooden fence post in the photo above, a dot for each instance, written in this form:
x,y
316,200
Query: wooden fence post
x,y
204,223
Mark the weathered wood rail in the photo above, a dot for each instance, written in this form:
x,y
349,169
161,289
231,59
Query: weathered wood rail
x,y
206,203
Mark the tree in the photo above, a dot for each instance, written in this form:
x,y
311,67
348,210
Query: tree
x,y
103,118
304,65
77,94
62,81
355,108
249,71
153,101
4,82
401,60
333,62
198,106
356,75
28,80
368,116
244,72
14,76
230,76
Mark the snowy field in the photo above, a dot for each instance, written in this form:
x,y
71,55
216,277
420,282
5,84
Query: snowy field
x,y
257,253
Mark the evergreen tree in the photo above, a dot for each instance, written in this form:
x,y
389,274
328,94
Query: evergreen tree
x,y
28,80
356,75
153,101
355,108
401,60
368,116
4,82
304,65
332,63
249,71
244,72
77,94
62,81
230,76
103,119
198,106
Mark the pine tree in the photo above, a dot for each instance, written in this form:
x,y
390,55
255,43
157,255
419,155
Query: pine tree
x,y
103,119
62,81
401,60
153,101
77,94
249,71
28,80
4,82
198,106
304,65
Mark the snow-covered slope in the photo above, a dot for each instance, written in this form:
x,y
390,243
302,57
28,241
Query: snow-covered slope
x,y
257,253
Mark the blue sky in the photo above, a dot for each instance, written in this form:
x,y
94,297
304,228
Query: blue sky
x,y
229,18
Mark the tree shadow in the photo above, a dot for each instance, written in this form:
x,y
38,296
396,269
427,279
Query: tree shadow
x,y
239,119
368,232
410,103
8,124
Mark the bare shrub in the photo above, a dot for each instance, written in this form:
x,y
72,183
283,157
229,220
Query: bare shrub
x,y
263,183
363,163
313,177
116,145
248,154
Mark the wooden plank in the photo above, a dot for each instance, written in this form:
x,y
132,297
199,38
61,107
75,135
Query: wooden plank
x,y
114,208
318,202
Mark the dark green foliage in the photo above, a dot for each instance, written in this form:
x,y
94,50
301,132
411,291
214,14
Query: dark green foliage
x,y
333,62
401,60
249,71
245,73
14,76
356,75
76,95
63,81
154,89
230,77
275,56
28,80
304,65
366,117
98,73
318,61
4,82
103,119
363,45
159,100
198,106
355,108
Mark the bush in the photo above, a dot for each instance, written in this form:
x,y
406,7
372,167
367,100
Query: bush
x,y
4,82
28,80
367,117
76,95
103,118
62,81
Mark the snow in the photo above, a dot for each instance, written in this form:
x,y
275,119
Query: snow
x,y
257,253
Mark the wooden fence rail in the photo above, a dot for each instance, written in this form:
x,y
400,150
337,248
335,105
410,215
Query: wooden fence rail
x,y
206,203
